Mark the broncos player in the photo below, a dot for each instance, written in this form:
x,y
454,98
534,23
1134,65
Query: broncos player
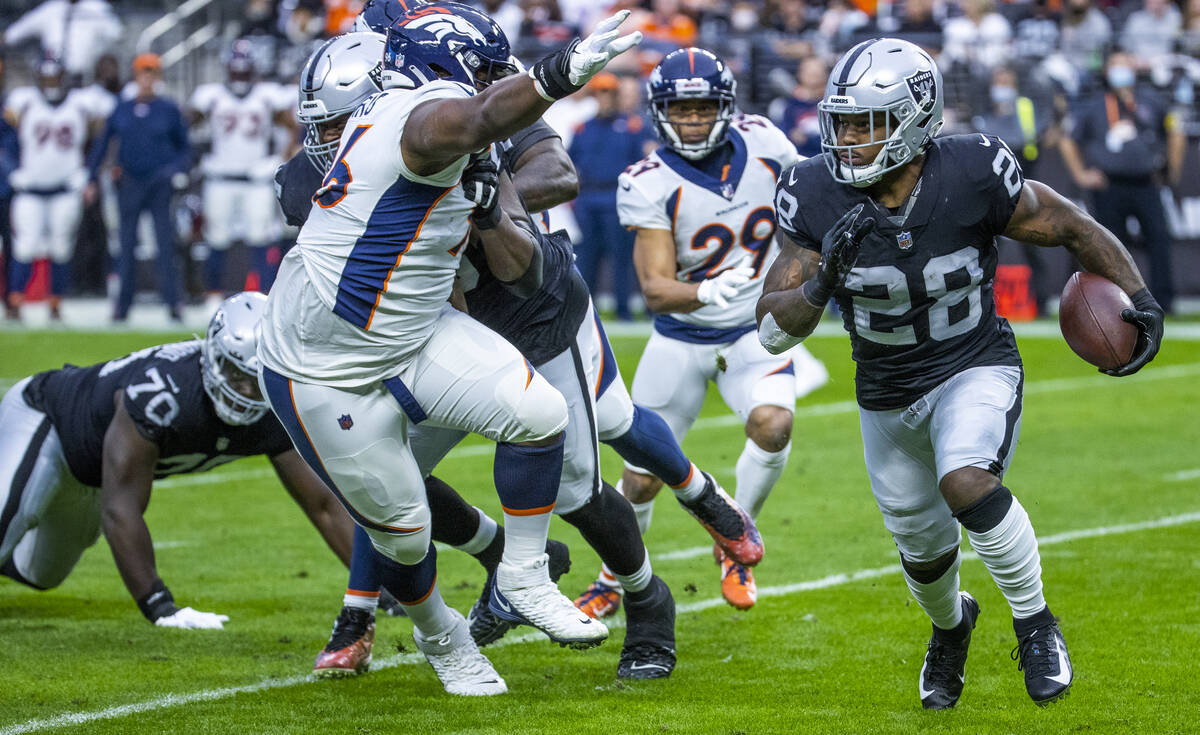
x,y
898,227
359,333
701,207
242,116
82,447
53,122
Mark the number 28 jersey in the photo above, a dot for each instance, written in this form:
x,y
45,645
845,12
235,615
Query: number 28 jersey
x,y
718,223
918,304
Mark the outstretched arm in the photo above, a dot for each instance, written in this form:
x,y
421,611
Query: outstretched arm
x,y
1044,217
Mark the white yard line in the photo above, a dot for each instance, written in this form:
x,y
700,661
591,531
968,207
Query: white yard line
x,y
1182,475
833,580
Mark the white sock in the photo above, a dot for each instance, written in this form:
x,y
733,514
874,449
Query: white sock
x,y
639,580
757,472
483,536
431,616
525,538
608,579
361,600
939,598
644,512
691,489
1010,552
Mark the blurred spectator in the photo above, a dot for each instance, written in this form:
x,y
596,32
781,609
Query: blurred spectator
x,y
794,17
1150,33
666,26
1036,35
507,15
978,40
601,149
840,21
1085,34
76,32
9,155
97,224
301,20
1025,128
797,115
152,159
259,18
339,16
1121,138
918,17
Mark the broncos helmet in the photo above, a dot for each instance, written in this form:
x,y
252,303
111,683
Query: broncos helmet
x,y
342,73
379,15
692,74
229,359
52,80
444,40
898,86
240,68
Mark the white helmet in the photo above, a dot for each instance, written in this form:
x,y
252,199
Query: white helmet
x,y
342,73
229,358
899,86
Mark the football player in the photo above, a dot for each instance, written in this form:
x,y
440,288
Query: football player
x,y
242,116
359,342
898,227
82,447
701,207
53,123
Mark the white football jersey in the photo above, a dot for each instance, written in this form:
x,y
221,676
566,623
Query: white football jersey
x,y
375,262
717,223
51,137
242,128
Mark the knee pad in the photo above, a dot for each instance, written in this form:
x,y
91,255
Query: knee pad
x,y
614,412
408,549
541,411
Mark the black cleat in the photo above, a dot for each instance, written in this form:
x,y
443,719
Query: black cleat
x,y
727,522
486,627
649,649
944,671
1041,653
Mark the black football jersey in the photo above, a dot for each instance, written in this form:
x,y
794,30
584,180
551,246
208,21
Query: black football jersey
x,y
918,304
164,396
295,183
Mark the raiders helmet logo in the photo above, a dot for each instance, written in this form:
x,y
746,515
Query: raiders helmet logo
x,y
923,88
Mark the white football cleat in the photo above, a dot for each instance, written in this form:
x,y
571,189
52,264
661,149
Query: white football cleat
x,y
456,660
525,595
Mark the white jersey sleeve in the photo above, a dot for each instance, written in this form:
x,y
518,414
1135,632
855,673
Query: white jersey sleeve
x,y
18,100
636,207
205,97
769,139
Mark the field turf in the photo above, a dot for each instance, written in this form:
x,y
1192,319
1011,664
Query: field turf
x,y
1108,469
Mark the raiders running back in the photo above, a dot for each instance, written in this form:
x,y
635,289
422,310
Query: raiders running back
x,y
918,304
163,392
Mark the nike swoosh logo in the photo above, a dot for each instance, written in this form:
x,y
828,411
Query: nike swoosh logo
x,y
1064,664
792,176
921,685
626,186
642,667
503,603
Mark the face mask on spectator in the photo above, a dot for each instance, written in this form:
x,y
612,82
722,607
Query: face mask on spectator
x,y
1003,94
1120,77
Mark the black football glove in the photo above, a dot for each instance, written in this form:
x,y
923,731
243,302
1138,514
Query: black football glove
x,y
480,183
839,252
1147,316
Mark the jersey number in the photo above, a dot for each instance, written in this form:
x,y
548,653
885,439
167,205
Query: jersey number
x,y
896,301
333,188
755,238
162,408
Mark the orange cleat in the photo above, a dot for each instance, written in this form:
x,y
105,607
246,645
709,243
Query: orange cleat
x,y
599,601
737,582
727,522
348,652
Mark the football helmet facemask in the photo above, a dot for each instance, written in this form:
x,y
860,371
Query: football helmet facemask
x,y
897,89
229,359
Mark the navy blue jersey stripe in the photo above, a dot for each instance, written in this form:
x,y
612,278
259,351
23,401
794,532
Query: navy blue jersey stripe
x,y
608,361
391,230
669,326
718,186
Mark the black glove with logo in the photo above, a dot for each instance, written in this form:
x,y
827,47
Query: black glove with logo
x,y
480,183
1147,316
839,252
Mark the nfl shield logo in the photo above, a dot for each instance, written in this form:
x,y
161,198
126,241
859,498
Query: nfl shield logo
x,y
727,191
345,422
904,240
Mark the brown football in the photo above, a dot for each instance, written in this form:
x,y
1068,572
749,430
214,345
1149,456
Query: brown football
x,y
1089,316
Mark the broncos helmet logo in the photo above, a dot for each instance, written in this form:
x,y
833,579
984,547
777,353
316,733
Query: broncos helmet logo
x,y
442,25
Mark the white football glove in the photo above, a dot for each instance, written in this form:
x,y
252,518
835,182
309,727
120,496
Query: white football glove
x,y
717,291
186,617
566,71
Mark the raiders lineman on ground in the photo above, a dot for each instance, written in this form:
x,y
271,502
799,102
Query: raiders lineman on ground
x,y
898,227
82,447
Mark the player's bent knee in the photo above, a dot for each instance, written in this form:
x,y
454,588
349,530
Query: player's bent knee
x,y
965,485
540,413
407,549
614,413
638,487
770,427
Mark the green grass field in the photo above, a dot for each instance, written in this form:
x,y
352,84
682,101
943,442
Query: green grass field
x,y
1108,469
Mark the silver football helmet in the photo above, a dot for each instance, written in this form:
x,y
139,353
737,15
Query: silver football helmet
x,y
229,359
342,73
899,88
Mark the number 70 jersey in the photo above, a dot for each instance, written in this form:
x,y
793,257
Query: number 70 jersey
x,y
718,222
918,304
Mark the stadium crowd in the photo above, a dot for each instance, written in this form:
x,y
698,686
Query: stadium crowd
x,y
1025,71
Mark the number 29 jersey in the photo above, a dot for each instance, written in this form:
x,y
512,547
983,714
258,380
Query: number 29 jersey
x,y
719,222
918,304
376,259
